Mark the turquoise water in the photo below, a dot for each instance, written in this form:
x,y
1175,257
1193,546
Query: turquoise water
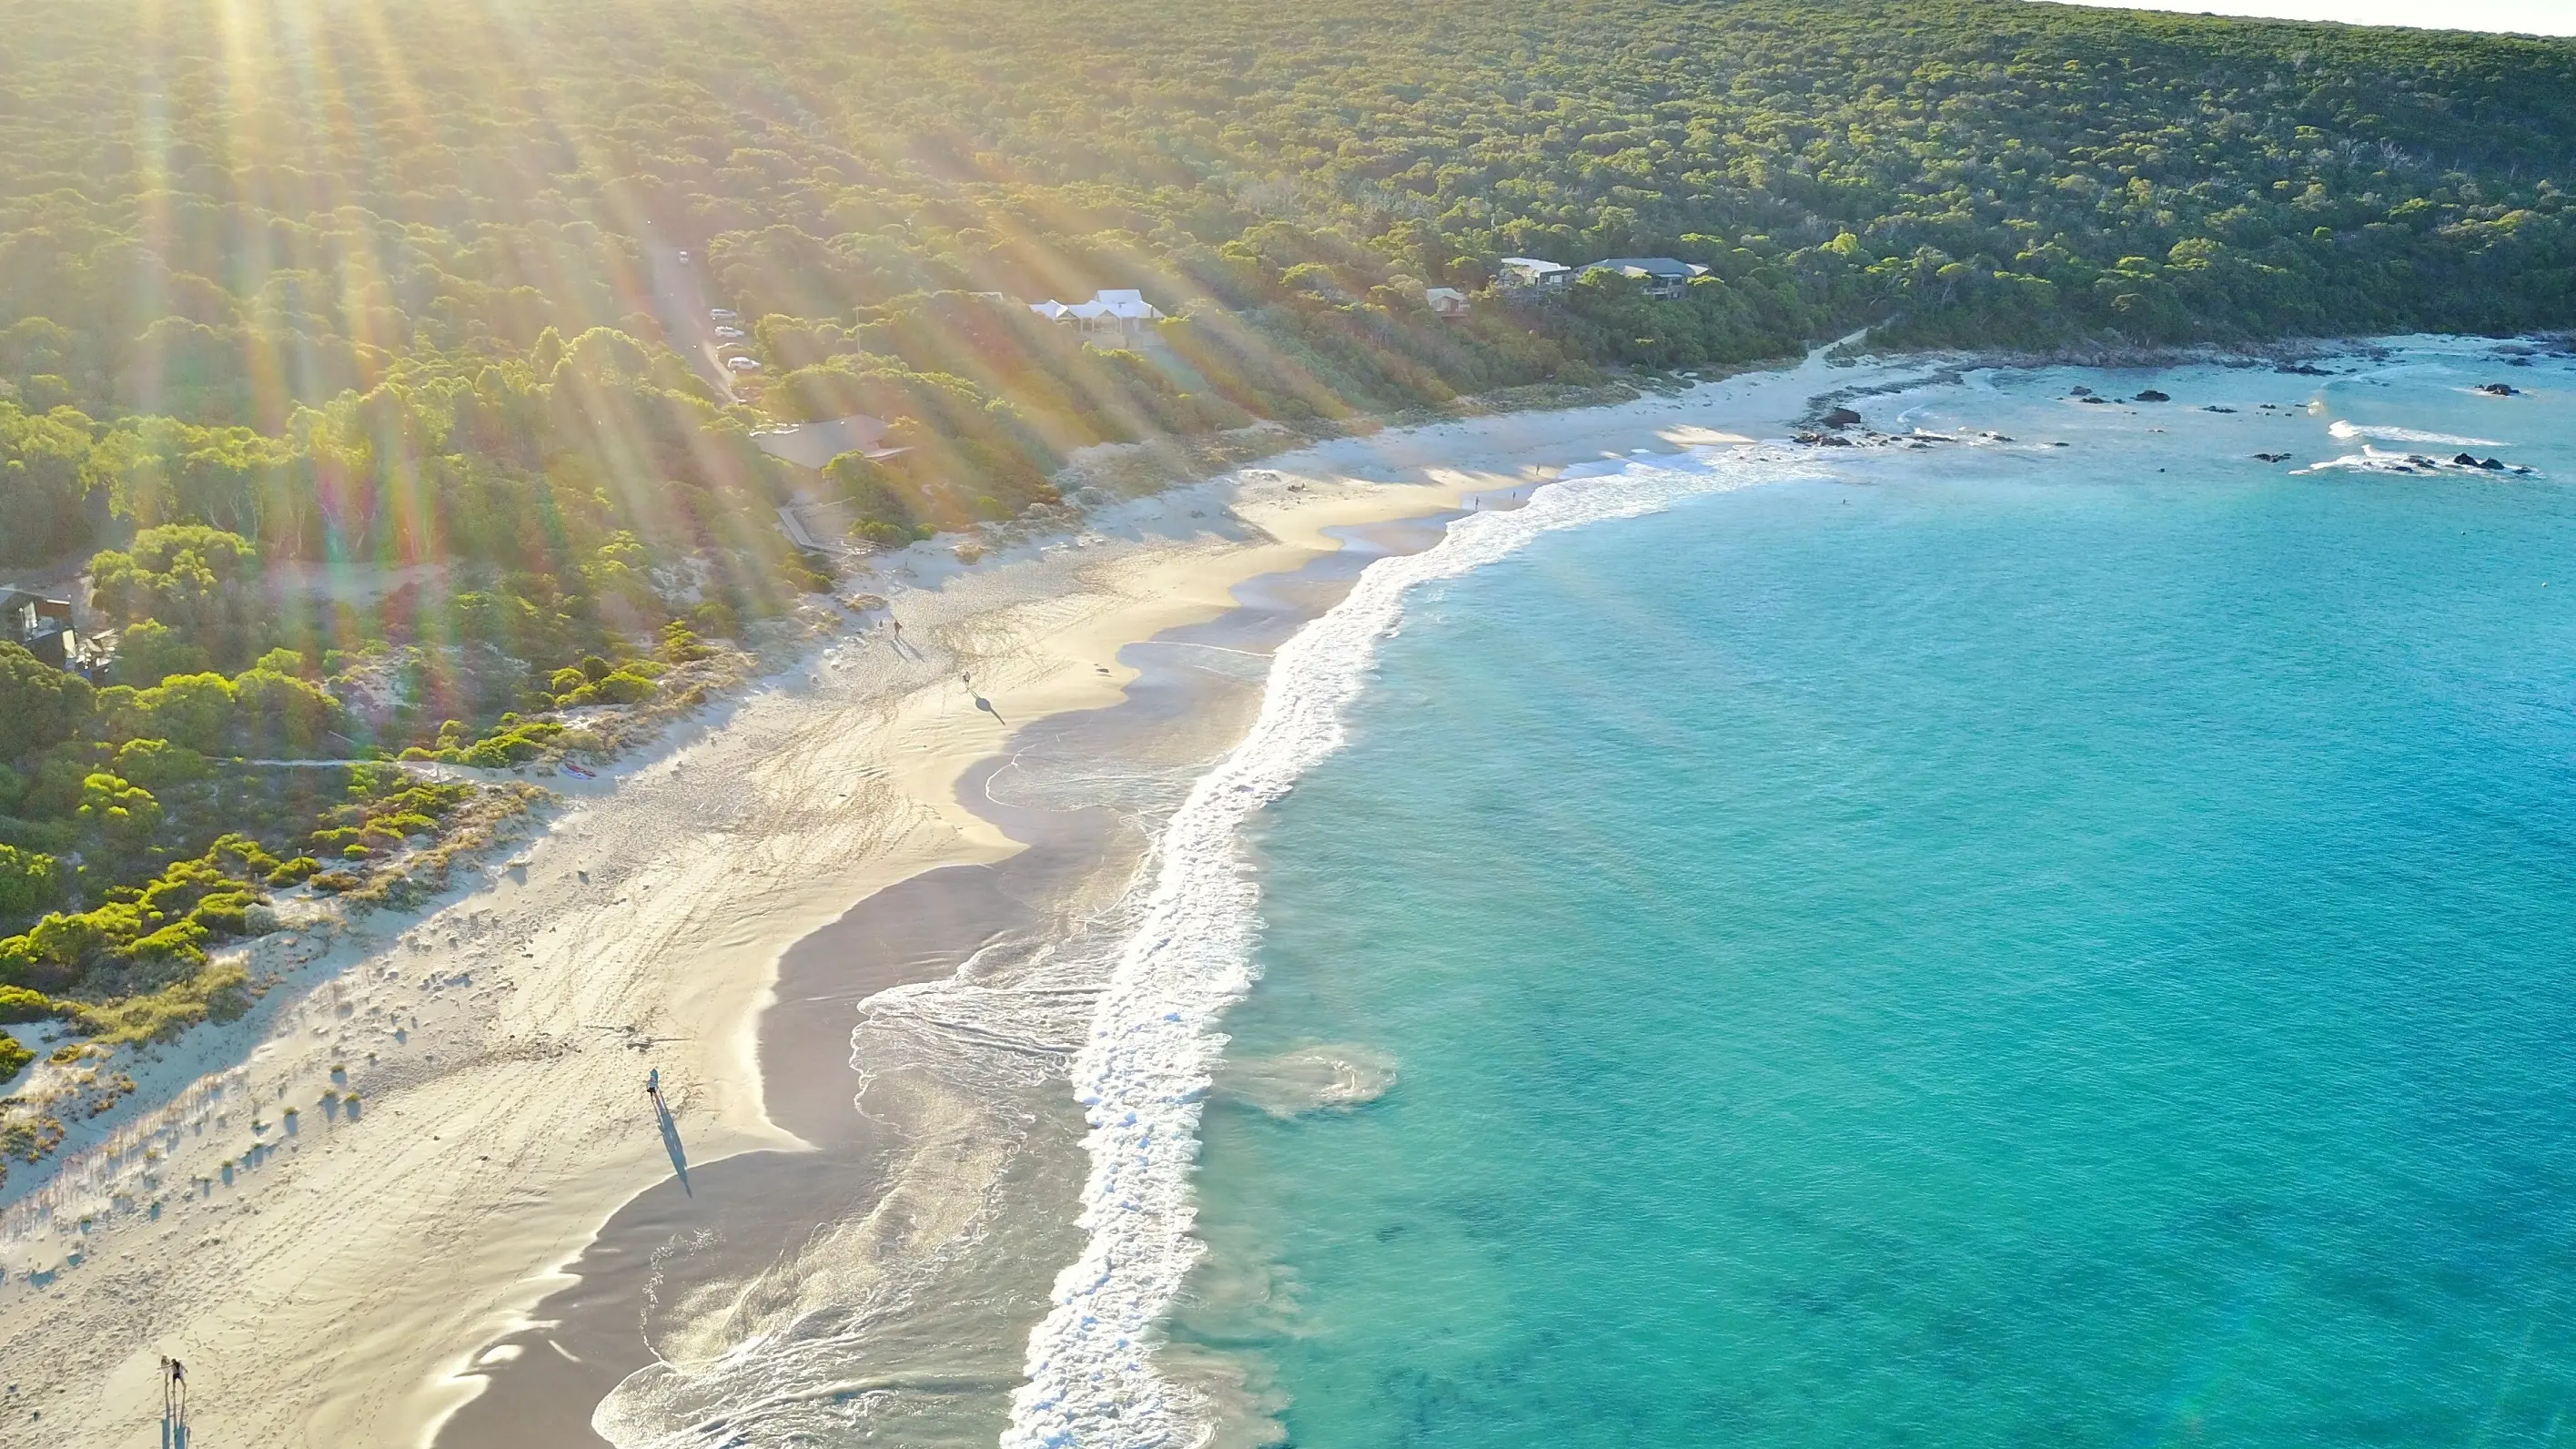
x,y
1999,948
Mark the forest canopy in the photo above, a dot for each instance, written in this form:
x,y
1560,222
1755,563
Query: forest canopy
x,y
381,283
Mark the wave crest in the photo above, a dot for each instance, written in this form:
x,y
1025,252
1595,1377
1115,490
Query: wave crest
x,y
2347,431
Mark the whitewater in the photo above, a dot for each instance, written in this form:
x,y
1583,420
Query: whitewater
x,y
1155,1040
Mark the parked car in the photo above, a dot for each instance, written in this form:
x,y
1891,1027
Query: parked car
x,y
724,314
742,364
728,332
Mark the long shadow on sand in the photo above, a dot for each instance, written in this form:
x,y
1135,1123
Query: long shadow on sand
x,y
750,1209
755,1208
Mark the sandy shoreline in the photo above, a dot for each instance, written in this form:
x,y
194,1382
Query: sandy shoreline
x,y
337,1292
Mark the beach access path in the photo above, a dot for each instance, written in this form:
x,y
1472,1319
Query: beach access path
x,y
330,1281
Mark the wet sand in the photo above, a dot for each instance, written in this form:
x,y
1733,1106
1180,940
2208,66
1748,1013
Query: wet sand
x,y
543,1383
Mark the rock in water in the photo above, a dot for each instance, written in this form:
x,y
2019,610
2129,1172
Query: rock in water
x,y
2151,395
1842,418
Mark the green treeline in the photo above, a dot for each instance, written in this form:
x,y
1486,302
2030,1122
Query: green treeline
x,y
378,282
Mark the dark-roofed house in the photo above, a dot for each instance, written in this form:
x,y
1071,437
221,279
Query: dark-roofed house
x,y
1663,276
41,625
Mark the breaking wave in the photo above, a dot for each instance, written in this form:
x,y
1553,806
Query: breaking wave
x,y
1153,1046
2375,460
2345,432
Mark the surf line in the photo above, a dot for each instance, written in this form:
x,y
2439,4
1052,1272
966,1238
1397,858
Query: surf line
x,y
1143,1073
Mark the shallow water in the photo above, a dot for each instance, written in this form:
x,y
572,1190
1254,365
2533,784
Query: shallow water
x,y
1990,946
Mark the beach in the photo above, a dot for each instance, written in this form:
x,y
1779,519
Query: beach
x,y
355,1279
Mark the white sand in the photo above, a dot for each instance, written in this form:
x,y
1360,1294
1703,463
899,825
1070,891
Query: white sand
x,y
330,1295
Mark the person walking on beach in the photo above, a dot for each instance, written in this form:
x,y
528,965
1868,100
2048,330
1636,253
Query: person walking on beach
x,y
174,1404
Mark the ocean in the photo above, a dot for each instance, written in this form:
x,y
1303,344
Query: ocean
x,y
1975,943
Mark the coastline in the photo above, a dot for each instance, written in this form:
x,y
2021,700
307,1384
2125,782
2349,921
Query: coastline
x,y
589,1336
323,1321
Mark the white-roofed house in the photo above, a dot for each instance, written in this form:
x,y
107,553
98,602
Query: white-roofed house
x,y
1115,317
1447,301
1532,272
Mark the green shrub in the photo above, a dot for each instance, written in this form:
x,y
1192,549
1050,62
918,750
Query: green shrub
x,y
624,687
13,1059
335,881
125,814
19,1005
40,837
680,645
240,856
29,882
213,992
294,871
159,764
225,913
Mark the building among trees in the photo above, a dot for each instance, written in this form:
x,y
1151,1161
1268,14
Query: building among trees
x,y
41,626
1114,318
1664,276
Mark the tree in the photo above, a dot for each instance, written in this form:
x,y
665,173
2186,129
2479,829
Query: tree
x,y
151,651
283,711
43,485
39,705
29,883
195,710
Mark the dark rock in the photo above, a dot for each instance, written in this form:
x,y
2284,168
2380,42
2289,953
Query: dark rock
x,y
1842,418
2094,400
2079,390
2215,408
2464,460
2492,465
2151,395
1831,441
2499,389
2061,445
2272,457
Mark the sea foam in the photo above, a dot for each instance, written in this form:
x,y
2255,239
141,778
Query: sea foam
x,y
1154,1043
2347,431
